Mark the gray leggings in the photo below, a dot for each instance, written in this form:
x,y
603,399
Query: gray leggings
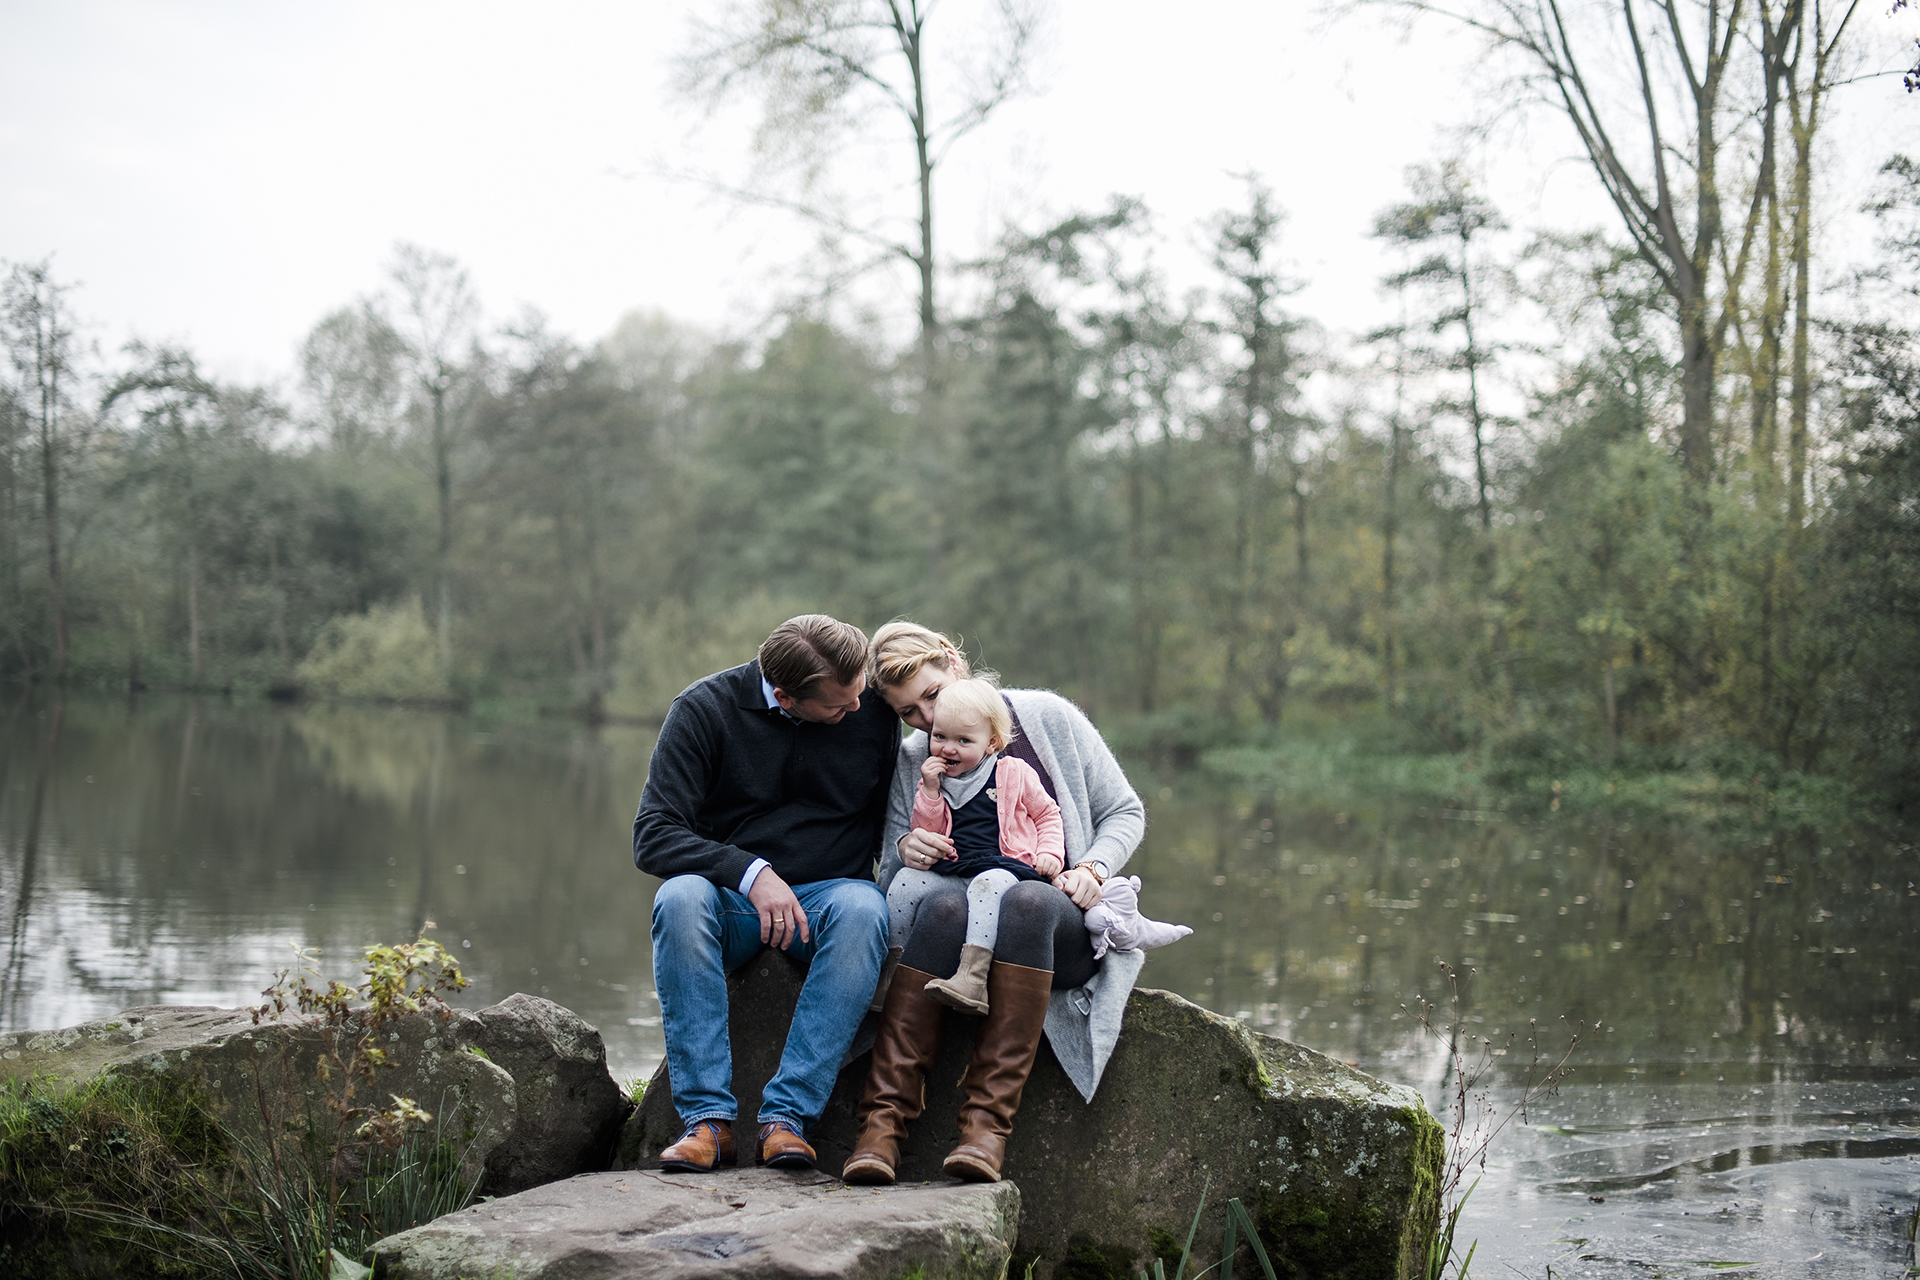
x,y
1039,928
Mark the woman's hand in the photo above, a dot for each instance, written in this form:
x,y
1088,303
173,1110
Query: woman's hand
x,y
1047,865
1082,886
921,849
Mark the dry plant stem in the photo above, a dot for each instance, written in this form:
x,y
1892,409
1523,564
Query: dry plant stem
x,y
1476,1121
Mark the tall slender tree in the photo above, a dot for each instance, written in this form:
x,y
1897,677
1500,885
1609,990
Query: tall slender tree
x,y
40,341
176,437
438,312
1259,422
1442,224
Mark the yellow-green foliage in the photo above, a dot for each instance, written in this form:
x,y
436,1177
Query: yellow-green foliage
x,y
386,653
668,647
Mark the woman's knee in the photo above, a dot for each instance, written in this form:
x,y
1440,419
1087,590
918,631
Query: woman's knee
x,y
1031,904
942,913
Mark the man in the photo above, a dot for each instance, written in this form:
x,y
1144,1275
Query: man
x,y
762,812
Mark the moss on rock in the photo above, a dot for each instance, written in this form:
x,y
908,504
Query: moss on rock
x,y
109,1177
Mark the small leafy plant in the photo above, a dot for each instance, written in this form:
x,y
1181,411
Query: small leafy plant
x,y
377,1149
404,979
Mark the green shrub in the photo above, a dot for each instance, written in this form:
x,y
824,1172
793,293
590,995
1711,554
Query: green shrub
x,y
666,648
387,654
111,1177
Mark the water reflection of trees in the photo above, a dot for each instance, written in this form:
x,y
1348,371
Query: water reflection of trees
x,y
189,841
1783,946
213,832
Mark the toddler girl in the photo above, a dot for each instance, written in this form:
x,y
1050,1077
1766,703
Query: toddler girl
x,y
1005,828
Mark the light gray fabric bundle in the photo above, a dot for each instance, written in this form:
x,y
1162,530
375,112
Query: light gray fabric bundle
x,y
1103,819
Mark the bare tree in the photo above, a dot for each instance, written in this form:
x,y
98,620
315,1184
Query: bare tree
x,y
438,311
40,340
354,367
1675,101
1815,32
821,67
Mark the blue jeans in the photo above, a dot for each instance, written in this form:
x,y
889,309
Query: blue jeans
x,y
702,932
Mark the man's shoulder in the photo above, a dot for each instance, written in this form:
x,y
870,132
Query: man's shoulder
x,y
873,718
725,688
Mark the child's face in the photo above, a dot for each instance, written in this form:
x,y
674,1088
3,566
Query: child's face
x,y
961,743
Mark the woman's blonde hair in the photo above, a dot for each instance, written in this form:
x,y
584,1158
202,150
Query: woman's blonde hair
x,y
901,648
979,699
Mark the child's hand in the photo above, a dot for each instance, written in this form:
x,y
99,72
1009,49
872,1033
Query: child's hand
x,y
930,774
1047,865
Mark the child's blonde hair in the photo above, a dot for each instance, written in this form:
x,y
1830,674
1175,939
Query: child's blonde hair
x,y
978,699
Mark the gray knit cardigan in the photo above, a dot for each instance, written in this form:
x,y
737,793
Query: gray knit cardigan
x,y
1103,820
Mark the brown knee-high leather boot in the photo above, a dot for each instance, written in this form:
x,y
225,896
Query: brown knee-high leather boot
x,y
896,1083
1003,1053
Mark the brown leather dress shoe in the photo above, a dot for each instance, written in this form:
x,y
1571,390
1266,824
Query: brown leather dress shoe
x,y
704,1147
782,1147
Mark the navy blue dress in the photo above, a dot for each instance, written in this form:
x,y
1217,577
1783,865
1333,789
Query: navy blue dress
x,y
976,841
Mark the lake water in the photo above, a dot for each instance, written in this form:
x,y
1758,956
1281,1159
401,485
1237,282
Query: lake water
x,y
1744,1093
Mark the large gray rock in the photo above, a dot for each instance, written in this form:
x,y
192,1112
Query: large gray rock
x,y
522,1085
746,1224
1338,1169
569,1110
263,1082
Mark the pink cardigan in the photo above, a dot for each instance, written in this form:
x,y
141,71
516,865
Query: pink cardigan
x,y
1029,819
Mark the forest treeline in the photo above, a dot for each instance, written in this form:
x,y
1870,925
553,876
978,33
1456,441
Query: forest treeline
x,y
1488,526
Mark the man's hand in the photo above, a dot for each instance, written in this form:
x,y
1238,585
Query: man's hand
x,y
1047,865
930,774
1082,886
921,849
781,919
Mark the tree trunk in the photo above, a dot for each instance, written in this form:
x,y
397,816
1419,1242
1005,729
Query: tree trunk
x,y
193,609
910,42
1303,575
1473,389
1390,526
1805,116
1613,708
1696,388
443,551
50,494
279,599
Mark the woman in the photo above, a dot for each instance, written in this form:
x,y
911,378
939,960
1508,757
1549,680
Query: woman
x,y
1044,975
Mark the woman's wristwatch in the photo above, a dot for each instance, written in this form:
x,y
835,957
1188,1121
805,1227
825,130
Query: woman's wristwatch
x,y
1094,867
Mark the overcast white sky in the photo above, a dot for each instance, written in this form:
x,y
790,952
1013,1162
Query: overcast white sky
x,y
226,173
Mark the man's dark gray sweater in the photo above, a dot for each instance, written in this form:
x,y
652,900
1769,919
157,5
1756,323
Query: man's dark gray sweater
x,y
732,780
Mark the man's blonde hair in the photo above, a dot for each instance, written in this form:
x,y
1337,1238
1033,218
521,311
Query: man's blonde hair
x,y
978,700
901,648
